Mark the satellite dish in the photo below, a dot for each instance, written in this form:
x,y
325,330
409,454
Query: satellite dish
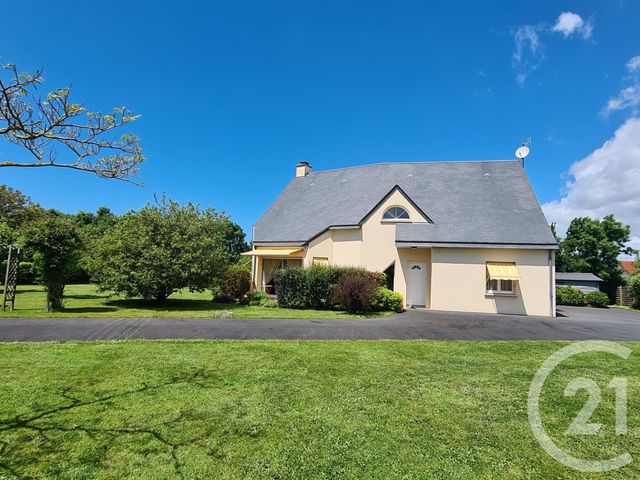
x,y
522,152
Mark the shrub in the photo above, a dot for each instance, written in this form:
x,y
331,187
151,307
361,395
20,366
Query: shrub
x,y
320,281
268,303
385,300
634,287
570,296
598,299
291,286
236,281
254,298
353,292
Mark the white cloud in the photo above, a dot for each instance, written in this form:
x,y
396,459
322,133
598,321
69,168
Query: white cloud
x,y
529,49
604,182
629,97
633,65
529,52
569,23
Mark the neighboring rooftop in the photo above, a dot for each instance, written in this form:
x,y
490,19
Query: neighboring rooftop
x,y
483,202
628,266
577,277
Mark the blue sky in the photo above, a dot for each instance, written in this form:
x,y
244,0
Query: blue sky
x,y
233,94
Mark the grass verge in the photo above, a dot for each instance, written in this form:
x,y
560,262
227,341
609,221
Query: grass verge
x,y
86,301
304,410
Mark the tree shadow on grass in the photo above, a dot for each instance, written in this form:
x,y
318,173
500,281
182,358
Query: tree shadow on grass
x,y
17,448
171,304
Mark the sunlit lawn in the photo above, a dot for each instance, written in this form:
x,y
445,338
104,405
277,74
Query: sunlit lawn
x,y
298,410
86,301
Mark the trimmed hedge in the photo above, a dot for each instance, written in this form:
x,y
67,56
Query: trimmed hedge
x,y
598,299
317,287
570,296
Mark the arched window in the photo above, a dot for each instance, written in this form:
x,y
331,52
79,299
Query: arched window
x,y
395,213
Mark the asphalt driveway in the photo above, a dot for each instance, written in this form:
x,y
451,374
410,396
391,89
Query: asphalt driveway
x,y
573,323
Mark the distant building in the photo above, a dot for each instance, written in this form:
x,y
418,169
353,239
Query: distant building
x,y
585,282
628,268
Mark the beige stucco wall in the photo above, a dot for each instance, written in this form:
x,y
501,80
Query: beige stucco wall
x,y
371,246
459,279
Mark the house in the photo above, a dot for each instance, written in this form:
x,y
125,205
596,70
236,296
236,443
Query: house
x,y
458,236
585,282
628,268
623,294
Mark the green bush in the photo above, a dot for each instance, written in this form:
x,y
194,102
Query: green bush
x,y
254,298
320,281
315,287
570,296
598,299
634,287
353,292
291,287
269,303
236,281
385,300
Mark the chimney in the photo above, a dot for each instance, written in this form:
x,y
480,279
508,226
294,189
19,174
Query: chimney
x,y
302,169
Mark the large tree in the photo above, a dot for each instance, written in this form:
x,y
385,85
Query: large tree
x,y
160,249
594,245
55,132
54,245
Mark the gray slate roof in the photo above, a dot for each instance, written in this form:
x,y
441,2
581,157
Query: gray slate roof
x,y
489,202
578,276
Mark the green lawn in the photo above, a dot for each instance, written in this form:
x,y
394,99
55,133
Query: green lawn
x,y
85,301
297,410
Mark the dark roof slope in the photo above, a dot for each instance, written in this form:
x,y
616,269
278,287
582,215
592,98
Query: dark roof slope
x,y
474,202
578,276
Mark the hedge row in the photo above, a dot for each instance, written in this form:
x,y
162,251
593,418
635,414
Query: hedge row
x,y
574,297
337,288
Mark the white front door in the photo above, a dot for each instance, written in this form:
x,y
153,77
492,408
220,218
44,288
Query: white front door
x,y
417,284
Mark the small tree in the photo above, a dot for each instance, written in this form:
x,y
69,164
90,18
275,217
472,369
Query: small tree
x,y
594,245
160,249
56,247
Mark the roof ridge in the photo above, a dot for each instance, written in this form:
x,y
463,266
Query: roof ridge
x,y
425,162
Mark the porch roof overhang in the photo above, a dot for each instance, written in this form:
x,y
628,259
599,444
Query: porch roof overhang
x,y
275,252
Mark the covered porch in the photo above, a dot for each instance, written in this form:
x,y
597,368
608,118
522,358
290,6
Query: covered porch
x,y
266,261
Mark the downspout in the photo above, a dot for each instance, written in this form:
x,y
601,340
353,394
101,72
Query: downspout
x,y
552,310
253,261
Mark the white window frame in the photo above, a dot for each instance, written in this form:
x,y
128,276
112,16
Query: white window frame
x,y
396,220
501,290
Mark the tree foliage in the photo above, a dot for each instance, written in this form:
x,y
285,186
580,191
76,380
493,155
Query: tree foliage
x,y
160,249
593,245
55,245
55,132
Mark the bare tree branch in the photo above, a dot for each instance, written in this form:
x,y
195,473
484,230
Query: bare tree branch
x,y
40,125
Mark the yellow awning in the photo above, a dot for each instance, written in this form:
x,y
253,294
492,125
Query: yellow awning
x,y
502,271
273,252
